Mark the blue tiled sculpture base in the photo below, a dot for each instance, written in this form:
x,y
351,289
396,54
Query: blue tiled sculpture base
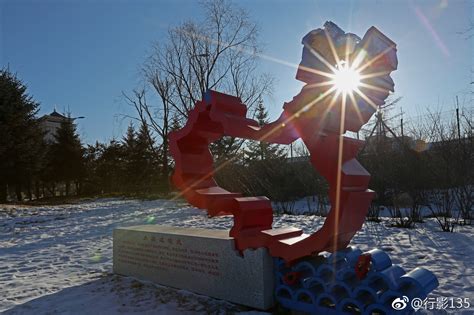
x,y
327,284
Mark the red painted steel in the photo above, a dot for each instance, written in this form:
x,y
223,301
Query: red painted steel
x,y
320,122
363,266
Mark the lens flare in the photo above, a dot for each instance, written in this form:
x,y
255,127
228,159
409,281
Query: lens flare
x,y
346,79
150,219
97,257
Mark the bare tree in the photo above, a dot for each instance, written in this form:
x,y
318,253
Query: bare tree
x,y
157,120
449,161
219,52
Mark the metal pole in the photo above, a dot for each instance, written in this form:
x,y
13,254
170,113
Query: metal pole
x,y
401,122
457,117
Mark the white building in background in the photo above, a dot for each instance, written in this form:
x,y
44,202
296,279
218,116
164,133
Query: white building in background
x,y
51,123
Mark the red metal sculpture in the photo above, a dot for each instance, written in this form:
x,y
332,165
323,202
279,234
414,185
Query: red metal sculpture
x,y
319,115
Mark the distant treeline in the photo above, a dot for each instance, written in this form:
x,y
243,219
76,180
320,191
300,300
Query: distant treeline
x,y
33,168
406,174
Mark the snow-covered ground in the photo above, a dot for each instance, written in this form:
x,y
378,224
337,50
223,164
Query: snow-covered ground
x,y
58,259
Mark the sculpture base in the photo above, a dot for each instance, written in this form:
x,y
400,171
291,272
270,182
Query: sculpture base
x,y
199,260
329,284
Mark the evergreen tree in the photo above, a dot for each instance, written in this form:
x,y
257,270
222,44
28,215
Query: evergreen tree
x,y
140,165
225,148
175,123
67,156
20,136
92,154
130,139
109,170
148,164
261,150
166,160
103,167
131,159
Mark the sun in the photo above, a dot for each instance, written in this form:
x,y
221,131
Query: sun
x,y
346,79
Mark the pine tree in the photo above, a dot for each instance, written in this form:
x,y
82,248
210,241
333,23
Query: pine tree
x,y
226,148
261,150
67,156
147,160
92,153
175,123
166,160
111,168
131,159
130,139
20,136
140,165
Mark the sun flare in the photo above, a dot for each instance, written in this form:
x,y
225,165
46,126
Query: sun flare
x,y
346,79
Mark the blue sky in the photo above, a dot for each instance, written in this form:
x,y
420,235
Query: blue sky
x,y
80,55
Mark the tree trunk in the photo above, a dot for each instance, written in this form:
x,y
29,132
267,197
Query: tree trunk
x,y
67,188
165,164
3,192
37,190
28,191
19,197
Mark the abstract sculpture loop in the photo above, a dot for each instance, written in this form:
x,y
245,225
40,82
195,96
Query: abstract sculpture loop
x,y
346,79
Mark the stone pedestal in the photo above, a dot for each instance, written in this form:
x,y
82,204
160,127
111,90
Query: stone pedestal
x,y
199,260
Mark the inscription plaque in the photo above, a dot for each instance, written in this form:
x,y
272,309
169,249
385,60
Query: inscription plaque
x,y
199,260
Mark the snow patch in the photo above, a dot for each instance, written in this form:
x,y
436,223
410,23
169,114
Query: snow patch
x,y
58,259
